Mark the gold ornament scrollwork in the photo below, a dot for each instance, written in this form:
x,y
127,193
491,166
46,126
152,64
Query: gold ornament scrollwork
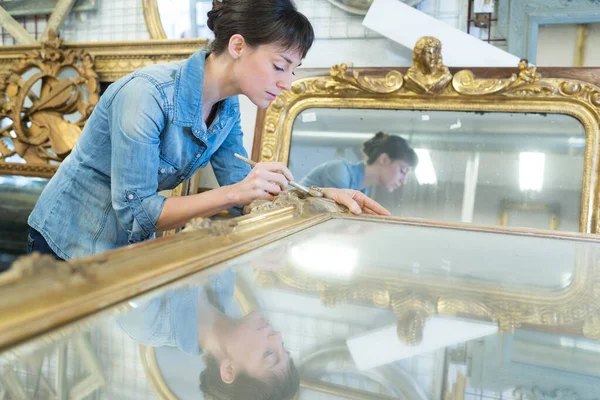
x,y
526,82
38,96
392,82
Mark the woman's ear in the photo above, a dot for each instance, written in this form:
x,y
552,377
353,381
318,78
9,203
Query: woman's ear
x,y
228,371
236,46
384,159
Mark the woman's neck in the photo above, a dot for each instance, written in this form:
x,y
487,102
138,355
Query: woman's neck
x,y
213,326
219,80
371,176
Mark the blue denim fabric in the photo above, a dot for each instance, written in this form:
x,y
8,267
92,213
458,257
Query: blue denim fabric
x,y
172,318
146,134
338,173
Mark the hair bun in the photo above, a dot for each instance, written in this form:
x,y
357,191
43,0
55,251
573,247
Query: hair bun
x,y
217,9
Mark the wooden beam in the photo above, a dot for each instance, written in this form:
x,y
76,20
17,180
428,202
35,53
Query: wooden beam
x,y
15,29
62,9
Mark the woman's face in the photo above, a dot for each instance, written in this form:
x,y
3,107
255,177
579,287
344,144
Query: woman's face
x,y
394,174
256,349
264,71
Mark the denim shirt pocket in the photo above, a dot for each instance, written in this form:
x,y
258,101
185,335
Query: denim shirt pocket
x,y
168,174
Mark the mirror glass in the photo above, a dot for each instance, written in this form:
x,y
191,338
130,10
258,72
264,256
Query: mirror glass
x,y
489,168
18,195
164,343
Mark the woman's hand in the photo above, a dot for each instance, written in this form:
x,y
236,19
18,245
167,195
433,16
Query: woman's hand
x,y
264,182
357,202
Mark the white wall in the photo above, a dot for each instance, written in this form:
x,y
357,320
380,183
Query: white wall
x,y
556,45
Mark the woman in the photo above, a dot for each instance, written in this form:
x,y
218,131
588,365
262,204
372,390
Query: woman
x,y
389,162
245,358
152,130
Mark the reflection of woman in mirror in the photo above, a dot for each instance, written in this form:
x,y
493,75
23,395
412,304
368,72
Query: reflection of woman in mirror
x,y
154,128
389,162
245,358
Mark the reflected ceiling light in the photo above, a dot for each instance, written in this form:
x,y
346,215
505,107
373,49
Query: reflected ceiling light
x,y
324,257
575,141
425,171
531,170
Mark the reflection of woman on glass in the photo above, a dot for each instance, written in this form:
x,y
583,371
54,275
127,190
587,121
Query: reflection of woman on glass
x,y
245,358
152,130
389,162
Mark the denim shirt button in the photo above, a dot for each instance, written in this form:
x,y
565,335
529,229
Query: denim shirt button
x,y
130,196
197,155
162,170
182,177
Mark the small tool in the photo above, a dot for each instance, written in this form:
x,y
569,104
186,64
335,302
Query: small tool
x,y
312,191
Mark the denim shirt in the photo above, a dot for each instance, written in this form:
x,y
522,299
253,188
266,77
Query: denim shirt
x,y
172,319
338,173
146,134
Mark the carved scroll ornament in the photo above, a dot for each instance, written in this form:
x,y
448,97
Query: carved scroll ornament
x,y
45,101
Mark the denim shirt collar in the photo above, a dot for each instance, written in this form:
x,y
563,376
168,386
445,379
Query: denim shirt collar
x,y
188,92
188,98
358,177
358,174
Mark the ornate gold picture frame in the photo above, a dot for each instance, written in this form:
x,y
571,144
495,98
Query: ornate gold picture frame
x,y
97,64
552,210
525,91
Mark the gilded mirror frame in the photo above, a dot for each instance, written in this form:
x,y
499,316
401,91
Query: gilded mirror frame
x,y
524,90
78,291
152,19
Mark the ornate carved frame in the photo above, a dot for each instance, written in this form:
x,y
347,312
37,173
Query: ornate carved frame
x,y
524,90
553,211
82,288
152,19
108,61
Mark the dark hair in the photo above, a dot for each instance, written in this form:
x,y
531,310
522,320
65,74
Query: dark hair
x,y
260,22
246,387
394,146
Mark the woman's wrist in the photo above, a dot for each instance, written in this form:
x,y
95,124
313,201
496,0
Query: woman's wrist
x,y
232,197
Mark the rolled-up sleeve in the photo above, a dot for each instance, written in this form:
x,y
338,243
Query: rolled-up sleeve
x,y
136,122
228,169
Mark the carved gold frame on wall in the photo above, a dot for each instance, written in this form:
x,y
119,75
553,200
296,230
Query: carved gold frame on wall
x,y
553,211
109,62
525,90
